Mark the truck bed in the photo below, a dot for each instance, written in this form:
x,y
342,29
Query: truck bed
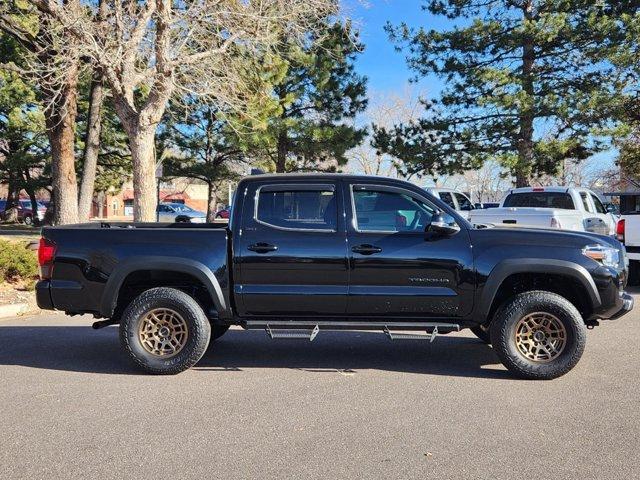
x,y
93,260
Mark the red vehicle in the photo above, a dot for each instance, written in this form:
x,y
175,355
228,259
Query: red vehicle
x,y
224,212
25,212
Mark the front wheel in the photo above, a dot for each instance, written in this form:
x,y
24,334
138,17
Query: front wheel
x,y
538,335
164,331
28,220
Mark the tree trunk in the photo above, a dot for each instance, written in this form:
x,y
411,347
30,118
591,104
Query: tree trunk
x,y
281,162
60,130
34,207
32,197
143,155
524,165
91,150
212,203
12,192
48,215
60,119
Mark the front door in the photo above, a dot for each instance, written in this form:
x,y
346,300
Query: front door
x,y
398,269
292,251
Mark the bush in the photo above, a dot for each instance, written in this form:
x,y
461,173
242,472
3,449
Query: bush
x,y
17,263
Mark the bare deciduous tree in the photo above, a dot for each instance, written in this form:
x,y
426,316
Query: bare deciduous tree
x,y
488,183
92,135
384,111
149,51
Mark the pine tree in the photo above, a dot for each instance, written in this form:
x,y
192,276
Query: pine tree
x,y
24,163
623,51
520,86
199,142
317,99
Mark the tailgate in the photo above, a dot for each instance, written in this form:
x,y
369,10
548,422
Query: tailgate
x,y
632,230
525,217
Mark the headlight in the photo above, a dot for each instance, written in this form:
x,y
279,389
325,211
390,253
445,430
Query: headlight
x,y
607,256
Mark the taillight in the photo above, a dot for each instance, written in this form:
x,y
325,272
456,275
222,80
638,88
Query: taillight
x,y
46,254
620,230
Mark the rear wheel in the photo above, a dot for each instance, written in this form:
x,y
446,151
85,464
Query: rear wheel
x,y
164,331
28,220
538,335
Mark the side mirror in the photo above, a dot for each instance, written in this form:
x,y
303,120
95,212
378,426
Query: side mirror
x,y
439,226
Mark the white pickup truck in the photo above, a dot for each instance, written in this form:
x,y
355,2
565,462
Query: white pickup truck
x,y
628,231
563,208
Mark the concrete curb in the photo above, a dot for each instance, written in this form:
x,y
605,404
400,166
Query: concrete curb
x,y
13,310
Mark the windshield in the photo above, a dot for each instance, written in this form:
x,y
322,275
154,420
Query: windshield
x,y
181,208
540,200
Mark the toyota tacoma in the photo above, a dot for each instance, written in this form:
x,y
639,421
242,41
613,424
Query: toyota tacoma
x,y
303,254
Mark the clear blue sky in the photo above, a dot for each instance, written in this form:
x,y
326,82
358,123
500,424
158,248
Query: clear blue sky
x,y
386,68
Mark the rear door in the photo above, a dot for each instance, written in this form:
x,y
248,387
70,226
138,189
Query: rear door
x,y
593,220
292,251
602,213
398,269
464,205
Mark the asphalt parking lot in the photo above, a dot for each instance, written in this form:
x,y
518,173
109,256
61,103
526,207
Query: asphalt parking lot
x,y
350,405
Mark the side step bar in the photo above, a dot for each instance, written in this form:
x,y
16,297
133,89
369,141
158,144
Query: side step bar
x,y
310,335
412,336
309,331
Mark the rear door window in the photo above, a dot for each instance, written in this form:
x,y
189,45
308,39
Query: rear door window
x,y
598,204
447,198
585,202
298,208
463,202
558,200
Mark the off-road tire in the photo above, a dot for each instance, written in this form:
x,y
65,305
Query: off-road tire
x,y
503,338
198,327
218,330
483,335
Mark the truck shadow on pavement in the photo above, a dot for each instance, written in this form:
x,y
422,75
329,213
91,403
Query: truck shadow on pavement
x,y
81,349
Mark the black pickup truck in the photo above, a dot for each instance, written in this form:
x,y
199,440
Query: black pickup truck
x,y
307,253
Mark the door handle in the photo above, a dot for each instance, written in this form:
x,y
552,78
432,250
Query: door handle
x,y
366,249
262,247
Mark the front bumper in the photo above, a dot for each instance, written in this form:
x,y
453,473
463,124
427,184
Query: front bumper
x,y
627,306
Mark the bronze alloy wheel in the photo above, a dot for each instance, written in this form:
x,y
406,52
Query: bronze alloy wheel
x,y
163,332
540,337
